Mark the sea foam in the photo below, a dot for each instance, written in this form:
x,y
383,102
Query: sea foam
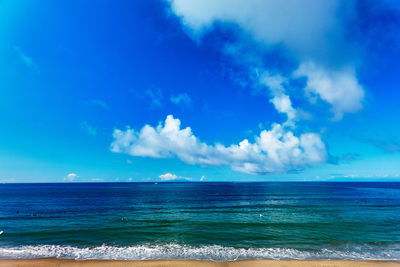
x,y
177,251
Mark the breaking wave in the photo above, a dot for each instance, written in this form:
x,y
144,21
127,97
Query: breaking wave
x,y
214,252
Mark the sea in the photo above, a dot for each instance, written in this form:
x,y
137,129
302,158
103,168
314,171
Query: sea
x,y
201,220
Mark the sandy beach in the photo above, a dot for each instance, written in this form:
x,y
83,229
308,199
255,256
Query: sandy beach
x,y
194,263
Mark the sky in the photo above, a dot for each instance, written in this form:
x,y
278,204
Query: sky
x,y
227,90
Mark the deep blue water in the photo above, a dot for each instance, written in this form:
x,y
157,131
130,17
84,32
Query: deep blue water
x,y
219,221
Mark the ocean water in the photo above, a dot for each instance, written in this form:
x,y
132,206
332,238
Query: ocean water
x,y
216,221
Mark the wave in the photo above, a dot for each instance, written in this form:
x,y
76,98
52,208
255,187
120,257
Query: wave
x,y
214,252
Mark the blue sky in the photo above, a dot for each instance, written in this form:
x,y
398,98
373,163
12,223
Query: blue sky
x,y
270,90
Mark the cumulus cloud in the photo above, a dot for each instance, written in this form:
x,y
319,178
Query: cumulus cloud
x,y
309,32
168,176
70,177
276,150
303,27
307,35
339,88
181,99
173,177
280,100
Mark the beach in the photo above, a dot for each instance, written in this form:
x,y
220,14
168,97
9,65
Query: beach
x,y
196,263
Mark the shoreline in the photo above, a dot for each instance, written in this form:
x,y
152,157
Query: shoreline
x,y
194,263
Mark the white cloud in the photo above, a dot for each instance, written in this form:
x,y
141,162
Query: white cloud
x,y
306,28
339,88
168,176
283,104
308,31
70,177
280,100
276,150
181,99
303,31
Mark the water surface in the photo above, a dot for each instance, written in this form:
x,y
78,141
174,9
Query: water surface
x,y
219,221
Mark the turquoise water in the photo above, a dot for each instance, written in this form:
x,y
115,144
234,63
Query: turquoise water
x,y
218,221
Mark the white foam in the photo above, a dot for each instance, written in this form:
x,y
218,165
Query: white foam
x,y
176,251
